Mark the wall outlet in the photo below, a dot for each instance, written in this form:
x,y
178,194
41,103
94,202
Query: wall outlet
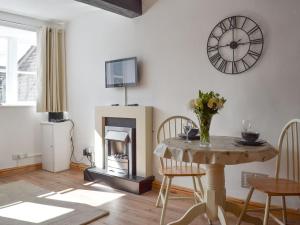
x,y
246,175
19,156
15,157
87,152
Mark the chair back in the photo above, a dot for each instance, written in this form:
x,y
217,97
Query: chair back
x,y
172,127
169,128
289,152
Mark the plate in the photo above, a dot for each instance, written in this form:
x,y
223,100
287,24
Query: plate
x,y
183,136
247,143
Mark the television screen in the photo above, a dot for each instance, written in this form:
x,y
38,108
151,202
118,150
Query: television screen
x,y
121,73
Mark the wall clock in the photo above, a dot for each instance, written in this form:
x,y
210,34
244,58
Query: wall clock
x,y
235,45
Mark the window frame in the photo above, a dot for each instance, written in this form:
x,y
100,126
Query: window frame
x,y
11,69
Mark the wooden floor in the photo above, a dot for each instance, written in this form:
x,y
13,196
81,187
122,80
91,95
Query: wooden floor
x,y
128,210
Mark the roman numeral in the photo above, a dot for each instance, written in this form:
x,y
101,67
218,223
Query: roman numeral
x,y
214,36
234,67
253,30
246,65
232,21
253,54
212,48
215,58
244,23
222,26
223,65
256,41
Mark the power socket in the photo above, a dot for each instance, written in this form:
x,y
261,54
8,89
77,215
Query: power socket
x,y
246,175
86,152
19,156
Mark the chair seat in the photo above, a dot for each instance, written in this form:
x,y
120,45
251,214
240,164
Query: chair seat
x,y
275,187
182,171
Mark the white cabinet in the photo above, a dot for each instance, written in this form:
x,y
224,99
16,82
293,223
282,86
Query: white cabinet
x,y
56,146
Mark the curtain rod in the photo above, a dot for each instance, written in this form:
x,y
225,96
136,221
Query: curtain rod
x,y
22,24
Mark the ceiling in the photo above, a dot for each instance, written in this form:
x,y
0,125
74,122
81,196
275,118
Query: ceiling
x,y
61,10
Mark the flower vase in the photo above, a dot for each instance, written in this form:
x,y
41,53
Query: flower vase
x,y
204,121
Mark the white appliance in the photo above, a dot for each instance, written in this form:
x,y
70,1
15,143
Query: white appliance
x,y
56,146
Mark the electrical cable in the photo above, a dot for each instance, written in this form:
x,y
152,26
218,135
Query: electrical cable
x,y
72,143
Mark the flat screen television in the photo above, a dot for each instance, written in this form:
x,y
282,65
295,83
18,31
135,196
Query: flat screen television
x,y
121,73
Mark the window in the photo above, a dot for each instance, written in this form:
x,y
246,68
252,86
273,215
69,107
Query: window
x,y
18,66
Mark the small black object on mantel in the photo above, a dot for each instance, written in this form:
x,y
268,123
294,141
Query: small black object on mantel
x,y
133,104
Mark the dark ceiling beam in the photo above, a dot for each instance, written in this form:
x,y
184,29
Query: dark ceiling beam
x,y
128,8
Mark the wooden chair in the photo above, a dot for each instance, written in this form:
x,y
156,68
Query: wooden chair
x,y
289,152
170,168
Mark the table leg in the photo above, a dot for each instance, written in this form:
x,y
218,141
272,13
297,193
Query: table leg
x,y
215,193
215,197
191,214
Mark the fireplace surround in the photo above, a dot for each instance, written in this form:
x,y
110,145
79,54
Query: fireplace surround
x,y
129,126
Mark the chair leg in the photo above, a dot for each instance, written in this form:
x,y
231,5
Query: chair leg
x,y
245,206
195,190
267,210
200,187
163,183
284,215
165,202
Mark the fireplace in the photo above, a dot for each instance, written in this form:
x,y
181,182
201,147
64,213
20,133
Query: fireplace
x,y
123,148
120,151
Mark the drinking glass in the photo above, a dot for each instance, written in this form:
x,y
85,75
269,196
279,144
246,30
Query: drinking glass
x,y
246,125
187,129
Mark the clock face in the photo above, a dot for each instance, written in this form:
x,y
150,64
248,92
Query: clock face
x,y
235,44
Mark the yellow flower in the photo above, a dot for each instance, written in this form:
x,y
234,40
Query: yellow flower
x,y
212,103
198,103
191,104
220,104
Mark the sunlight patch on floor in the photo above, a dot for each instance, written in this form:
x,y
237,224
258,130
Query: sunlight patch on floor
x,y
92,198
33,212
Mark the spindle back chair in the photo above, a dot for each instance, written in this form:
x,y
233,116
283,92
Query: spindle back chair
x,y
289,152
170,168
287,175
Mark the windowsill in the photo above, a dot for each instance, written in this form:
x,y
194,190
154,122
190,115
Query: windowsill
x,y
18,105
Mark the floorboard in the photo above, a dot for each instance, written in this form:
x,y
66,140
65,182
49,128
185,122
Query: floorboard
x,y
128,210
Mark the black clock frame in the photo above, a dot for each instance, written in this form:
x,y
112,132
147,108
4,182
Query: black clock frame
x,y
258,55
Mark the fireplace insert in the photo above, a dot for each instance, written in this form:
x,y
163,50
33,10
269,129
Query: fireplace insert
x,y
120,151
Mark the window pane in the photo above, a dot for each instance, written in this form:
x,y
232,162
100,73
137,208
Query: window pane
x,y
3,65
27,87
27,68
18,67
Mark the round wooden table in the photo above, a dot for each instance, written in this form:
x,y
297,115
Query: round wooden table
x,y
223,151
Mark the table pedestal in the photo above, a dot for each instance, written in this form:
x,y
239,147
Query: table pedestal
x,y
215,195
215,203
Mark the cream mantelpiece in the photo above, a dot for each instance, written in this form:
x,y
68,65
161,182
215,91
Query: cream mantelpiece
x,y
143,116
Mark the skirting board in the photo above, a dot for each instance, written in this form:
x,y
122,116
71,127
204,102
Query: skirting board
x,y
20,169
292,213
78,166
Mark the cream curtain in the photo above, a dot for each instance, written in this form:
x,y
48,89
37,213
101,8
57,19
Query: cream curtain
x,y
52,70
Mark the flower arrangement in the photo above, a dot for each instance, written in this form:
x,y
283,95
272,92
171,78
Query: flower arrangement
x,y
205,106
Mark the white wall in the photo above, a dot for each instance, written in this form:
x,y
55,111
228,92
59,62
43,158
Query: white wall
x,y
19,133
170,40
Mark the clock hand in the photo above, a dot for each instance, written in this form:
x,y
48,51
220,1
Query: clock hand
x,y
221,46
244,43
